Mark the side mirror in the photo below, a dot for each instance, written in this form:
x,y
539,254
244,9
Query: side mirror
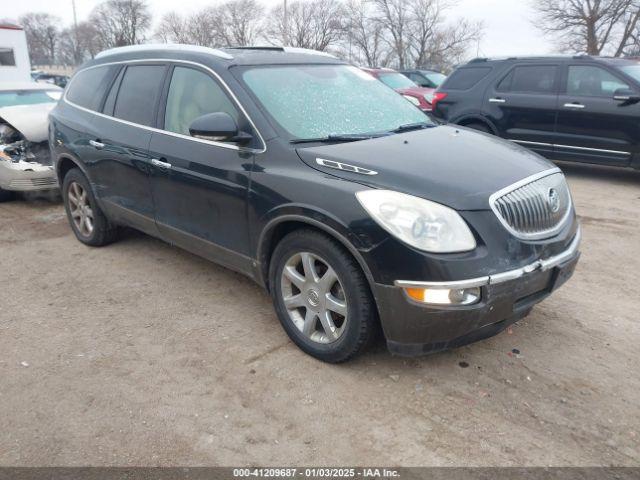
x,y
625,95
218,127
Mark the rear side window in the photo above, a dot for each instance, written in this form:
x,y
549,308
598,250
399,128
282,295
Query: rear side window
x,y
138,94
88,87
465,78
529,79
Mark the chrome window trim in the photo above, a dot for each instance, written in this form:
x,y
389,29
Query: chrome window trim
x,y
165,132
619,152
530,236
539,265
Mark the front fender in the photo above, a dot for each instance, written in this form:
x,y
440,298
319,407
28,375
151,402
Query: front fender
x,y
292,216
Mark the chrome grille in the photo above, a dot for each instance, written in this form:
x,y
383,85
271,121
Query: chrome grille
x,y
536,207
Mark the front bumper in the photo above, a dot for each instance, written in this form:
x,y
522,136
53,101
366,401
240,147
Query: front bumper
x,y
26,176
413,328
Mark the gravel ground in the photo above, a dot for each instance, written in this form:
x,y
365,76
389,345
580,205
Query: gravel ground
x,y
142,354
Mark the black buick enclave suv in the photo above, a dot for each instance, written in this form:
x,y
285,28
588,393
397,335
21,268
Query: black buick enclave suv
x,y
321,184
582,109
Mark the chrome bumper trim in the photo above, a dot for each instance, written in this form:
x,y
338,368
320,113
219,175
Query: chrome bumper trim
x,y
542,265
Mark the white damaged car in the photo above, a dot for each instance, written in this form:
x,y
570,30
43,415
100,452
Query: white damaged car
x,y
25,161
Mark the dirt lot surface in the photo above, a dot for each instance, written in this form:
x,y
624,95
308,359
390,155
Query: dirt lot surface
x,y
142,354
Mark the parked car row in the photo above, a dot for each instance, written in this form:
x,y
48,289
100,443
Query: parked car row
x,y
348,204
420,96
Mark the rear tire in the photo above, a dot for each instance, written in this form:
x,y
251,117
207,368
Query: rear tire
x,y
88,222
480,127
321,296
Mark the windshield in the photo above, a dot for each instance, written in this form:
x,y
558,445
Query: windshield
x,y
632,71
396,80
28,97
435,78
310,101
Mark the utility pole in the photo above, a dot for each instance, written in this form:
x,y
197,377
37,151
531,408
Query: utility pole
x,y
285,25
76,47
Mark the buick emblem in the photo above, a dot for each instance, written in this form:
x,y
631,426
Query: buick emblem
x,y
553,200
313,298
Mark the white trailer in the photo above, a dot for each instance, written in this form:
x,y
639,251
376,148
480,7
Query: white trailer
x,y
14,55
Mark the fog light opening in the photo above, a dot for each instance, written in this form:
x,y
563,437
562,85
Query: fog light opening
x,y
444,296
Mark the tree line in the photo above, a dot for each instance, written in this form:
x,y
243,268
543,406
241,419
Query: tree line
x,y
395,33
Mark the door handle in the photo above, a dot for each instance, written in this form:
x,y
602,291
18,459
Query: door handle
x,y
160,164
96,144
497,100
573,105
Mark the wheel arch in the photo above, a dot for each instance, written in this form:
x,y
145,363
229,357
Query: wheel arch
x,y
66,162
476,118
279,227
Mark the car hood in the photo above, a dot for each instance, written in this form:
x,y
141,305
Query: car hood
x,y
453,166
30,120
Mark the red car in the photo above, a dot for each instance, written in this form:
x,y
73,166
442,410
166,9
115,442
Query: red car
x,y
421,97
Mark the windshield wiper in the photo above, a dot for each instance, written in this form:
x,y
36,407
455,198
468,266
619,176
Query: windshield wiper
x,y
335,138
412,126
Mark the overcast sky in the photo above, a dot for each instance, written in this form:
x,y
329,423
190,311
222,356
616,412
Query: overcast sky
x,y
508,23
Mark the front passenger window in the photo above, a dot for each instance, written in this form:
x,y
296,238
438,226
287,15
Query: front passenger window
x,y
192,94
590,81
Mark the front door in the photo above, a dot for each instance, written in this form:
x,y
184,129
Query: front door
x,y
523,104
200,187
592,126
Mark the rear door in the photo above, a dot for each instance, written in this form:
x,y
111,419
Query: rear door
x,y
523,104
121,139
199,186
592,126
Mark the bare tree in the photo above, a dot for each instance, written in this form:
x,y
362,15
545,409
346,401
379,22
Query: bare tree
x,y
121,22
432,42
173,28
417,34
78,45
394,16
203,28
240,22
364,35
315,24
593,27
42,31
199,28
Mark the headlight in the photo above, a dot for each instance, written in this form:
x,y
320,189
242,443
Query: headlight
x,y
423,224
413,100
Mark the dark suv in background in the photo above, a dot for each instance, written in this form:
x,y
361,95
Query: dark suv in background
x,y
583,109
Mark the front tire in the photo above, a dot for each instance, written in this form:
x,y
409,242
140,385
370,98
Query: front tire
x,y
321,296
88,222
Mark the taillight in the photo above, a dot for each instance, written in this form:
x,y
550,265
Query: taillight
x,y
437,96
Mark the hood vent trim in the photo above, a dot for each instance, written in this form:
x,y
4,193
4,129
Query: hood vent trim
x,y
345,167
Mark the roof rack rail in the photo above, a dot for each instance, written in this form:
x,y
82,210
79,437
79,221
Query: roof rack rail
x,y
145,47
478,60
306,51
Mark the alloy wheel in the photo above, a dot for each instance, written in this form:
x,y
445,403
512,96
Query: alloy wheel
x,y
314,297
80,209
